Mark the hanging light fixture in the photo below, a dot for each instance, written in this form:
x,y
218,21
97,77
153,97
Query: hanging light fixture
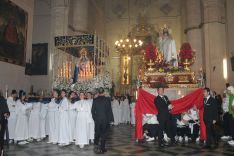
x,y
128,44
125,46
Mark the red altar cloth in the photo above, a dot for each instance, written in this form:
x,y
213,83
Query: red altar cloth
x,y
145,104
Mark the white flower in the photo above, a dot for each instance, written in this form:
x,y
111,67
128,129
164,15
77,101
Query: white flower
x,y
85,85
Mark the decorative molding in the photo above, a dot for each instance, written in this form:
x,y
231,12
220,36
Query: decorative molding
x,y
71,41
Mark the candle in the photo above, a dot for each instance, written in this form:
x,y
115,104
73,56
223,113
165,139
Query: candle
x,y
6,91
61,72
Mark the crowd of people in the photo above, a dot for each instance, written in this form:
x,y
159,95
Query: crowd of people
x,y
64,118
69,118
123,110
185,127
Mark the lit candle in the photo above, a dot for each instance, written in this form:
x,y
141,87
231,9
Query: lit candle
x,y
61,72
64,72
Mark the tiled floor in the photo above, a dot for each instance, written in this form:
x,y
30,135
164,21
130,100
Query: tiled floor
x,y
120,143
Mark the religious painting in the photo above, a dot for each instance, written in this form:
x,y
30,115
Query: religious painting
x,y
39,59
13,33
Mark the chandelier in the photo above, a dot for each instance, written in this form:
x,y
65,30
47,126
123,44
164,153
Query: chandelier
x,y
125,46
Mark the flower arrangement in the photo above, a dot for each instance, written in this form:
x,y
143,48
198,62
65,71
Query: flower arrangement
x,y
150,52
101,80
186,51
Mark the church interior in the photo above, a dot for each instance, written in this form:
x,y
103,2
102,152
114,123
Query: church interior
x,y
123,46
205,25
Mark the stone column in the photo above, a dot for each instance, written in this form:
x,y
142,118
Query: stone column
x,y
78,17
59,27
214,30
59,17
193,31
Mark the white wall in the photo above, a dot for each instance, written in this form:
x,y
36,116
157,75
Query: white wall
x,y
41,34
13,75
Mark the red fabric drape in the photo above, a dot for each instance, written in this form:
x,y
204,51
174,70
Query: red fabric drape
x,y
145,104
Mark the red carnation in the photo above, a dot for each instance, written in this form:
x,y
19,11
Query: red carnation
x,y
186,51
150,52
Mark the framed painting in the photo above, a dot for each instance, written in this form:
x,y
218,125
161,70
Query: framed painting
x,y
39,64
13,33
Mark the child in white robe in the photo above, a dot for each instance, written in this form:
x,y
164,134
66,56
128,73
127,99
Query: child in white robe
x,y
65,137
53,116
126,111
115,109
72,114
21,128
82,121
12,119
43,114
91,124
132,106
121,110
34,121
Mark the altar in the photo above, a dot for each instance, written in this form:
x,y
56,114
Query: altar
x,y
174,73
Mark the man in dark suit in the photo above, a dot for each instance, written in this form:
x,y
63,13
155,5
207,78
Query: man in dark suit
x,y
4,114
102,116
164,116
210,118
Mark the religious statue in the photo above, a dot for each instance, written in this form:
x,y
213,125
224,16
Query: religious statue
x,y
84,68
168,47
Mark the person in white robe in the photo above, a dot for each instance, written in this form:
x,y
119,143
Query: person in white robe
x,y
34,121
132,106
53,117
82,121
65,137
21,128
43,114
47,125
115,109
91,124
121,108
126,111
168,48
12,119
72,114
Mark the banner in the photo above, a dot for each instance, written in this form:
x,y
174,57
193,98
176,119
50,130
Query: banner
x,y
145,105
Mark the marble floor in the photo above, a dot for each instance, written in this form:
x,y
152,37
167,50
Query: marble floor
x,y
120,143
